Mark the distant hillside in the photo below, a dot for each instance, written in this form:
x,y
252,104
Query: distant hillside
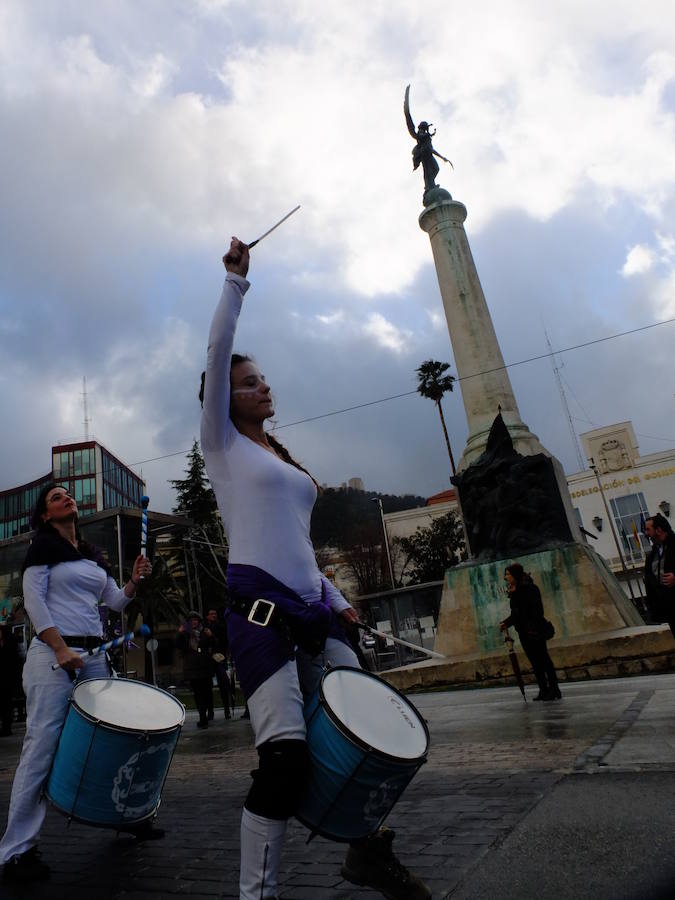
x,y
339,514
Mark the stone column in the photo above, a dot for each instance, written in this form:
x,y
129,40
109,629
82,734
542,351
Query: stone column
x,y
485,383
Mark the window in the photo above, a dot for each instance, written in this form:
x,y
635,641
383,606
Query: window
x,y
627,512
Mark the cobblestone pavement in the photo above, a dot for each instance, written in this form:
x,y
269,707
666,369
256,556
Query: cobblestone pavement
x,y
496,764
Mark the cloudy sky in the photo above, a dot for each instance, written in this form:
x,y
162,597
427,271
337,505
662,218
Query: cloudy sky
x,y
138,136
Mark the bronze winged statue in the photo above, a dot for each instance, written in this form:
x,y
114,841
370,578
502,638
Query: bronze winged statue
x,y
423,151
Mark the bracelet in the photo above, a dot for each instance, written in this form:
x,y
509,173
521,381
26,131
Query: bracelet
x,y
135,583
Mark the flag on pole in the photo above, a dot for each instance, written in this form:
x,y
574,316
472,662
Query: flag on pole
x,y
635,535
624,536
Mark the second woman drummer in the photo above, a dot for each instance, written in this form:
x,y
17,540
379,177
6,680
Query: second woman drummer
x,y
64,579
279,600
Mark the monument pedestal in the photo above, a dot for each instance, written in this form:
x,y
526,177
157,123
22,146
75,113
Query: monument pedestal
x,y
580,595
647,649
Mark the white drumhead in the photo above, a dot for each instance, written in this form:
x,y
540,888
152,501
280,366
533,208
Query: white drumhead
x,y
375,713
128,704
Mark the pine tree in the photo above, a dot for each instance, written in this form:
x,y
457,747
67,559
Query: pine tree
x,y
194,495
206,550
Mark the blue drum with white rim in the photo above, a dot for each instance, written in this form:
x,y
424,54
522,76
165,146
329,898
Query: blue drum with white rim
x,y
114,752
366,742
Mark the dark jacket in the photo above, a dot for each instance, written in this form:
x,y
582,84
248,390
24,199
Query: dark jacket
x,y
660,599
527,611
196,655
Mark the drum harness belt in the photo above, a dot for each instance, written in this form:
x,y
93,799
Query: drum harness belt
x,y
266,614
259,612
85,641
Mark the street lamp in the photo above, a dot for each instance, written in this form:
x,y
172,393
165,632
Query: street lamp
x,y
386,540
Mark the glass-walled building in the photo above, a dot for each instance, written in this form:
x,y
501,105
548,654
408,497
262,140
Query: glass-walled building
x,y
96,478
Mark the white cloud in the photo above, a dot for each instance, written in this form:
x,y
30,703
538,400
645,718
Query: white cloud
x,y
639,260
385,333
332,318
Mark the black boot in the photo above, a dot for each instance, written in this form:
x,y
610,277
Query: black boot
x,y
146,831
26,867
372,863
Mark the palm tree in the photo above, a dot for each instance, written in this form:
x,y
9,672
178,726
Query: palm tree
x,y
433,383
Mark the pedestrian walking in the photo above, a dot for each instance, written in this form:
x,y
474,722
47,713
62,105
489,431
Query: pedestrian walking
x,y
534,629
193,640
660,570
218,650
10,671
284,616
64,579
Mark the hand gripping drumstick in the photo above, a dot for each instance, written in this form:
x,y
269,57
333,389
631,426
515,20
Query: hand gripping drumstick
x,y
110,645
144,527
228,258
390,637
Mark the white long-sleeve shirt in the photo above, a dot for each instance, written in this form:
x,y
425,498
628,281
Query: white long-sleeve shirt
x,y
265,503
66,597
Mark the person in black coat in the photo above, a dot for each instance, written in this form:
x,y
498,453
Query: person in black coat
x,y
218,650
527,617
660,570
194,640
10,673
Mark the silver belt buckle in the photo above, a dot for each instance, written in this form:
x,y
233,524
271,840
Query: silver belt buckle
x,y
266,613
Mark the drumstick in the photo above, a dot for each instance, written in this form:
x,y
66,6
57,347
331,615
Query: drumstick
x,y
390,637
110,645
228,258
144,527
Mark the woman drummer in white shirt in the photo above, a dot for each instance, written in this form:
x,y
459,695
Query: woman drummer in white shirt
x,y
64,580
265,499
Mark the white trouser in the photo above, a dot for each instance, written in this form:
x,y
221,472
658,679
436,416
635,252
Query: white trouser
x,y
47,694
276,710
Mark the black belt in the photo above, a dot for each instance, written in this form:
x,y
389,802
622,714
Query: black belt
x,y
258,611
85,641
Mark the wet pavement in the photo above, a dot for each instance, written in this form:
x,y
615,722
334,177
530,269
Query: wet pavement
x,y
573,799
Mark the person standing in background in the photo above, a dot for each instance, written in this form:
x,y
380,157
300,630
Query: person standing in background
x,y
193,640
527,617
218,650
660,570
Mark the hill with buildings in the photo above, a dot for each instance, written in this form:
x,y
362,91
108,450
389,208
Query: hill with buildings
x,y
340,514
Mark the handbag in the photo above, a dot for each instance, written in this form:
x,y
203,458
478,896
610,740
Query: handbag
x,y
543,632
547,630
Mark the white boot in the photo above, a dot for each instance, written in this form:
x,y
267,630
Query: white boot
x,y
261,843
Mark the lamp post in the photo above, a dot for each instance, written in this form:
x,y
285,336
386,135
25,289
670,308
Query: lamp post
x,y
386,540
594,469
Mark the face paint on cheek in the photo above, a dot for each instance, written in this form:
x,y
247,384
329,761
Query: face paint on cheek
x,y
245,390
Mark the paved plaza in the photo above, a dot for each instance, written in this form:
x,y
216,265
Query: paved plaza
x,y
574,799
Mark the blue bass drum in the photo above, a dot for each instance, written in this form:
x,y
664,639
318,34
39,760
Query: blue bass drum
x,y
114,752
366,742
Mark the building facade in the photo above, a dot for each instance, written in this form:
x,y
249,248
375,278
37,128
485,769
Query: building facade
x,y
612,501
96,478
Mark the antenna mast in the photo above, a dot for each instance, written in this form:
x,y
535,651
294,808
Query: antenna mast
x,y
563,398
86,411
